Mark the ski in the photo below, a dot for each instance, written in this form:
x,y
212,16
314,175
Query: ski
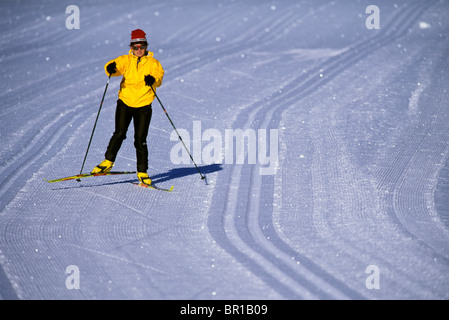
x,y
87,175
153,187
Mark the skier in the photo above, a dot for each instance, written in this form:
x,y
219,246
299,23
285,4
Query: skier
x,y
140,71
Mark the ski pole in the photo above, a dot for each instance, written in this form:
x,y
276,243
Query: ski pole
x,y
95,125
179,136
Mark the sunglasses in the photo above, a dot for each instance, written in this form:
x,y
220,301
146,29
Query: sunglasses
x,y
140,46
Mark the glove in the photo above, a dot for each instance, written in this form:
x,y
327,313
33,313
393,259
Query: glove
x,y
149,80
112,68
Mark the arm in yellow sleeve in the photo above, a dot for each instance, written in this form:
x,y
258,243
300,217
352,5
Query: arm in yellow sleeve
x,y
121,63
158,73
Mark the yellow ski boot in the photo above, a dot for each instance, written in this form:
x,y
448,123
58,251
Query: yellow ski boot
x,y
144,178
104,167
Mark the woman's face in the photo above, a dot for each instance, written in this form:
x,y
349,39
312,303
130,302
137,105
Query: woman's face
x,y
139,50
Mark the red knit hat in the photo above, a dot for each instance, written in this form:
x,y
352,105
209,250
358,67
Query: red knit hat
x,y
138,36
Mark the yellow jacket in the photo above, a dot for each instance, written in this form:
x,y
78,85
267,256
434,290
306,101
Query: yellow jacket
x,y
133,91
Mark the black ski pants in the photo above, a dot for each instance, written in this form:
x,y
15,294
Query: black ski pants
x,y
141,118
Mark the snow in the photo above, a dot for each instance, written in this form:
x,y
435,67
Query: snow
x,y
358,182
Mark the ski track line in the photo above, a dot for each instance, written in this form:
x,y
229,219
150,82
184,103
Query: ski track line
x,y
243,223
267,243
292,263
394,176
408,195
296,266
309,86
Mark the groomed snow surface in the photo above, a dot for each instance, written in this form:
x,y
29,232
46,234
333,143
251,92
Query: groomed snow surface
x,y
351,205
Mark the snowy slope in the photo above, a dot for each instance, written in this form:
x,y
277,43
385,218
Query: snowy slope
x,y
360,178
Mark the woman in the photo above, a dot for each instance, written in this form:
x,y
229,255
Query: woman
x,y
140,71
